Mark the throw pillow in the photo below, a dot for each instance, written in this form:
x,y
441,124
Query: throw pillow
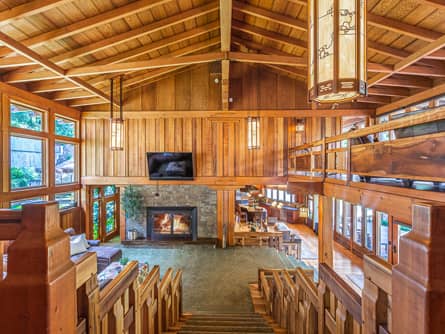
x,y
83,238
77,245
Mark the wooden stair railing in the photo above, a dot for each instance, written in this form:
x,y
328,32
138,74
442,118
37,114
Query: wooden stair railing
x,y
38,294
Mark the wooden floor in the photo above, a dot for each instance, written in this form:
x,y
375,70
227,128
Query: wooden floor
x,y
346,264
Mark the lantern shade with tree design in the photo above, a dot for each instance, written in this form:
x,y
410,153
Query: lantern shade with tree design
x,y
337,50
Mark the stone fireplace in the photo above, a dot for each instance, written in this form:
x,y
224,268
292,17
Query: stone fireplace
x,y
166,223
202,198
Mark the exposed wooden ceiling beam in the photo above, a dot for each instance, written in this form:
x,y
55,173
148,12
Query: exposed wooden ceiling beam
x,y
415,98
29,8
293,42
89,23
439,55
270,16
268,59
50,86
402,28
440,4
408,61
225,19
380,68
289,71
389,91
407,81
23,50
387,50
397,26
374,99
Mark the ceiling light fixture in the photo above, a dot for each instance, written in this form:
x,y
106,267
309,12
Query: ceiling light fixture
x,y
337,50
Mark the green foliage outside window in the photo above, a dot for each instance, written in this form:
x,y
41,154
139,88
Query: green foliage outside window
x,y
65,128
23,177
24,118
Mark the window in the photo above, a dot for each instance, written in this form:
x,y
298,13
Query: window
x,y
25,118
288,198
110,225
109,190
66,200
65,158
274,194
339,216
280,195
440,101
358,221
17,205
26,162
369,228
348,220
65,127
268,193
382,235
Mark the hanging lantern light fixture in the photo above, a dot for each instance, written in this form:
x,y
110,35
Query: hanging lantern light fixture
x,y
116,124
337,50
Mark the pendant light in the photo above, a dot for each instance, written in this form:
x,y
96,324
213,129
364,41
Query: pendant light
x,y
116,124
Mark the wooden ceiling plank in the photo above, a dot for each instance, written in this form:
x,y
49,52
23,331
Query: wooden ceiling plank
x,y
270,16
15,61
438,72
89,23
162,43
380,68
70,95
374,99
293,42
413,58
28,9
387,50
268,59
50,86
23,50
293,72
138,32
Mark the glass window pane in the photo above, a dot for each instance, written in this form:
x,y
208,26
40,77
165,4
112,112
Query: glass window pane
x,y
66,200
110,223
96,192
65,163
288,198
96,211
64,127
280,195
382,235
348,220
339,216
358,221
109,190
25,118
369,228
274,194
26,162
17,205
268,193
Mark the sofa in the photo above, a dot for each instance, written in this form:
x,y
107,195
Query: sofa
x,y
105,254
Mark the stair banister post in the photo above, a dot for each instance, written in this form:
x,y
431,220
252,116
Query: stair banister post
x,y
418,281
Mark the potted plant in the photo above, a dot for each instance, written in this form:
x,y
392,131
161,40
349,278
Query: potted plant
x,y
132,201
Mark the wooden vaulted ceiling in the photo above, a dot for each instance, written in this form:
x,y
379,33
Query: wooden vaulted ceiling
x,y
68,50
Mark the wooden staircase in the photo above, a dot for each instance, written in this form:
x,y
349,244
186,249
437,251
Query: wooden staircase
x,y
225,323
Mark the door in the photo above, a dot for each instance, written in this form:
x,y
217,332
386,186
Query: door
x,y
103,212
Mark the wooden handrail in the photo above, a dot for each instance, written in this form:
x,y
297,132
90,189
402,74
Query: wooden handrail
x,y
114,290
307,285
344,293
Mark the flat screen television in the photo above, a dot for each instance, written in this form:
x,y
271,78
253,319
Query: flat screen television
x,y
170,165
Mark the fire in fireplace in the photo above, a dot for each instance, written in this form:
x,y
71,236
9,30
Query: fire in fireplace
x,y
165,223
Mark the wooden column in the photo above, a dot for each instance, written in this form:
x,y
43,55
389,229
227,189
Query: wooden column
x,y
39,293
325,232
418,281
225,205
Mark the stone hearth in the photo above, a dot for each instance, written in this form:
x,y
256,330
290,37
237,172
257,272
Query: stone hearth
x,y
201,197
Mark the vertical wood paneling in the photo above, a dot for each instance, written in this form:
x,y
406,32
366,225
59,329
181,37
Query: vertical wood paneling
x,y
219,147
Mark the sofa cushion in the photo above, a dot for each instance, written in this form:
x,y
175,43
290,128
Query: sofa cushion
x,y
77,245
105,255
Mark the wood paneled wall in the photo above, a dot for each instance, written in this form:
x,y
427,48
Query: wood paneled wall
x,y
219,146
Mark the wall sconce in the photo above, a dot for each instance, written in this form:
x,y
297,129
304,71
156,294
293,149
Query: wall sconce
x,y
299,126
116,124
253,133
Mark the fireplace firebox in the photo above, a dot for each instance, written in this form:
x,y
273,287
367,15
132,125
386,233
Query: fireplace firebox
x,y
169,223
